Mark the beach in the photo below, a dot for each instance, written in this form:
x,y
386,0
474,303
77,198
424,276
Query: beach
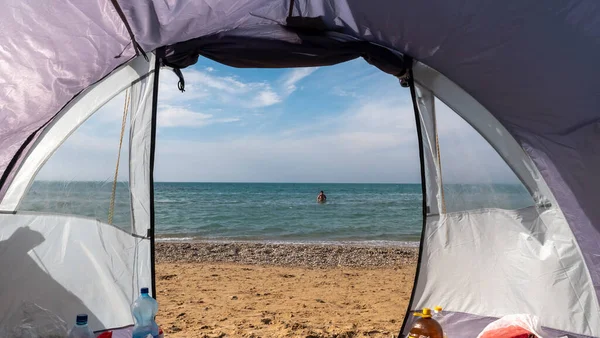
x,y
246,289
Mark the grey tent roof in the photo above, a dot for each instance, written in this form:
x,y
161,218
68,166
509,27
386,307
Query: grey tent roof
x,y
532,64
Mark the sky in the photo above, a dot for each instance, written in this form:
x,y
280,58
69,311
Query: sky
x,y
348,123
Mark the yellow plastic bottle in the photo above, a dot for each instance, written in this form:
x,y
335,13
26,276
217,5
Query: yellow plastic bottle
x,y
426,327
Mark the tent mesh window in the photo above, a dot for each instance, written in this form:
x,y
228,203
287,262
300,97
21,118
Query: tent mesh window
x,y
474,176
94,184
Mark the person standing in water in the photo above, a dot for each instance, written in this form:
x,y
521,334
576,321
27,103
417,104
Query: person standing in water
x,y
321,197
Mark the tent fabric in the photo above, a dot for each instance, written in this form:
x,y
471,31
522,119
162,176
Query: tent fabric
x,y
140,146
508,56
433,183
157,23
38,257
473,45
75,113
293,48
46,54
70,264
532,66
511,57
552,231
526,262
477,116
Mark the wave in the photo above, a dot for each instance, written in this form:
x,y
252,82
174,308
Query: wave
x,y
167,200
174,239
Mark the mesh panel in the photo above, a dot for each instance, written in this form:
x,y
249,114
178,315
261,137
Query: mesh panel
x,y
78,179
474,175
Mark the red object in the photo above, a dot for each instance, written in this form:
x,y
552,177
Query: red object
x,y
508,332
107,334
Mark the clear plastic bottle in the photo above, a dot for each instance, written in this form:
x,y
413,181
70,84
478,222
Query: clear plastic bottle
x,y
144,310
426,326
81,328
438,315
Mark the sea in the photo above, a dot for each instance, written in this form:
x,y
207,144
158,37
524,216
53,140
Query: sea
x,y
273,212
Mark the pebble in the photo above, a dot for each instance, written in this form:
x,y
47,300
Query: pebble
x,y
300,255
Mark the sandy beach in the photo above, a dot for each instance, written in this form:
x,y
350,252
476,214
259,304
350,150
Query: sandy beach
x,y
282,290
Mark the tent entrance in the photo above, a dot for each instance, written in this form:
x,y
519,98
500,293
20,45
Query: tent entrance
x,y
537,234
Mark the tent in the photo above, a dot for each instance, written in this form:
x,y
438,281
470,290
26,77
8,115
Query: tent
x,y
524,74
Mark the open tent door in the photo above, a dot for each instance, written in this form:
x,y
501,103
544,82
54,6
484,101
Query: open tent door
x,y
497,52
84,247
490,249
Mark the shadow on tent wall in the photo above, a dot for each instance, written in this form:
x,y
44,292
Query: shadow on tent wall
x,y
23,280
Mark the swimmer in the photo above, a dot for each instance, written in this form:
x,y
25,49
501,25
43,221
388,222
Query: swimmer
x,y
321,197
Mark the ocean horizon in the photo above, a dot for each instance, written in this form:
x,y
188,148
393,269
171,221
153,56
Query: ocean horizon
x,y
378,214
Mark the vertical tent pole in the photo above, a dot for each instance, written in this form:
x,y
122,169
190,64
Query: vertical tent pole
x,y
159,54
413,96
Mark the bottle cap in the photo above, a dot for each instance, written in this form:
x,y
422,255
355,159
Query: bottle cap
x,y
426,313
437,309
144,290
81,319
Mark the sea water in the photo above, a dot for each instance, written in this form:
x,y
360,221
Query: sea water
x,y
274,212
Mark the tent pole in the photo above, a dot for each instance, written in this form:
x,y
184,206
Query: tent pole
x,y
413,96
159,53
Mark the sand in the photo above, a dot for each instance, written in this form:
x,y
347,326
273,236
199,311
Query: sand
x,y
278,296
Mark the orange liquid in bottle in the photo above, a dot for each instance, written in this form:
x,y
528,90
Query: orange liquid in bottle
x,y
426,327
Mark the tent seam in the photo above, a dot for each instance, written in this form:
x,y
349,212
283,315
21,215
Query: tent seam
x,y
136,45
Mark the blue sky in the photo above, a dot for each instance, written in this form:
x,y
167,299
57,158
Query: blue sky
x,y
344,123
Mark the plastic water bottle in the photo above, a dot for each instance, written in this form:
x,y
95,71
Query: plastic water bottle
x,y
438,315
81,329
144,310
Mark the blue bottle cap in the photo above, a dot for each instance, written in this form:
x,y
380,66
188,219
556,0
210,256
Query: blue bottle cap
x,y
81,319
144,291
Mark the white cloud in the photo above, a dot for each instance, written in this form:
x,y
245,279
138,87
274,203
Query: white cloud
x,y
374,141
228,120
347,148
202,88
227,84
265,98
341,92
335,158
173,116
195,107
295,76
169,93
181,117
